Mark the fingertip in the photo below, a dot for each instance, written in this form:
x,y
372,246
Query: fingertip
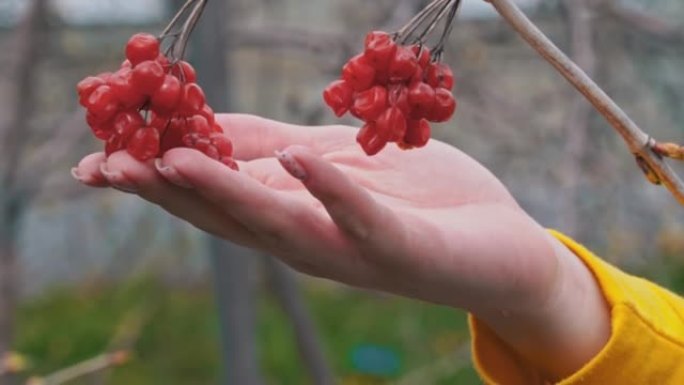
x,y
88,171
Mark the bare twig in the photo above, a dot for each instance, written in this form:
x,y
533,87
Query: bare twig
x,y
641,144
93,365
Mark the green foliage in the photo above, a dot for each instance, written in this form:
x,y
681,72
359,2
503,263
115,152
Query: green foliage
x,y
179,341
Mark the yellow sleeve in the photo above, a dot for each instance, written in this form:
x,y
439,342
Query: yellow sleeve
x,y
646,344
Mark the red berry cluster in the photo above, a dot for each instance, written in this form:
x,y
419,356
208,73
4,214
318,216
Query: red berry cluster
x,y
396,90
151,105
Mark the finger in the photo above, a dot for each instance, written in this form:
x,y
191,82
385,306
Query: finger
x,y
127,174
350,206
270,173
303,236
88,171
255,137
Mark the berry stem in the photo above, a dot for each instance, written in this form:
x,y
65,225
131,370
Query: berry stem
x,y
175,19
416,22
439,49
179,38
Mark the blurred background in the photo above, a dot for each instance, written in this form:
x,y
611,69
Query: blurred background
x,y
102,287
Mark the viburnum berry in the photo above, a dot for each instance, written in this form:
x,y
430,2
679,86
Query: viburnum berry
x,y
144,144
396,89
142,47
339,95
359,73
371,103
152,104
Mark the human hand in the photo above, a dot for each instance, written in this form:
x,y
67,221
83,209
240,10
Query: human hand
x,y
431,224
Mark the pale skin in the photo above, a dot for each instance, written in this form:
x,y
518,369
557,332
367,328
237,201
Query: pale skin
x,y
430,224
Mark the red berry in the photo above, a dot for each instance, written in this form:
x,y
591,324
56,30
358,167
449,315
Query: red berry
x,y
198,125
142,47
173,135
164,61
102,103
398,96
422,99
370,141
126,64
370,104
391,124
417,133
102,131
144,144
380,48
222,144
167,97
126,123
192,101
184,72
359,73
122,86
230,162
208,114
439,75
339,96
148,76
114,144
445,106
423,54
403,65
86,87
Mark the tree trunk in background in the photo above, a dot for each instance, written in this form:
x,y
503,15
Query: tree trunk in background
x,y
576,129
14,132
284,287
233,266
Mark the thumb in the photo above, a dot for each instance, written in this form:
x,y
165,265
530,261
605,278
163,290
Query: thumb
x,y
350,206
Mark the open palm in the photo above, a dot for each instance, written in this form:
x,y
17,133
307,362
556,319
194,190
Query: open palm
x,y
430,223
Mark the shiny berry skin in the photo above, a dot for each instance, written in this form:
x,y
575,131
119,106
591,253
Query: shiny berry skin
x,y
167,97
421,97
380,48
208,114
439,75
339,96
102,103
391,124
86,87
422,54
173,135
126,123
222,144
445,106
122,85
102,131
148,76
142,47
144,144
417,133
359,73
184,71
370,104
398,95
403,65
199,125
370,141
192,101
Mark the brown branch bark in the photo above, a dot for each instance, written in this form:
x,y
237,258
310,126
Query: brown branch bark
x,y
580,19
640,144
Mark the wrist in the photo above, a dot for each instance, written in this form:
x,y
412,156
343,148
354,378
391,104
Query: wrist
x,y
561,328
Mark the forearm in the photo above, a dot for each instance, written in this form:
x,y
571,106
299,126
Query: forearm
x,y
567,327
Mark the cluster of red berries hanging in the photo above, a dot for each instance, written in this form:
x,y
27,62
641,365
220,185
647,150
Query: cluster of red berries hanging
x,y
396,90
151,105
395,87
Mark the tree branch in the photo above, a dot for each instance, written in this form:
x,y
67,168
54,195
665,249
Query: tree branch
x,y
640,144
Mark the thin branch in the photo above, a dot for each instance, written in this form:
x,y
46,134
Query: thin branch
x,y
91,366
640,143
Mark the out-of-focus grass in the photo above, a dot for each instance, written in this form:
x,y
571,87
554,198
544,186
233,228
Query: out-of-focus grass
x,y
179,343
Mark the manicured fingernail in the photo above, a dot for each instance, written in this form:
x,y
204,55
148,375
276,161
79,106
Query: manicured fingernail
x,y
291,165
118,180
76,175
171,174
